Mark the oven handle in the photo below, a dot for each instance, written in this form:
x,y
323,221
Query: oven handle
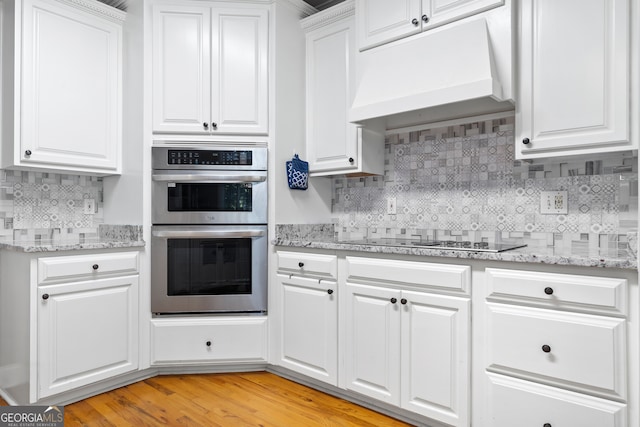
x,y
207,233
209,178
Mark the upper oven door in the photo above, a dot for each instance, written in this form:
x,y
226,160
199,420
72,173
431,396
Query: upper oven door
x,y
209,197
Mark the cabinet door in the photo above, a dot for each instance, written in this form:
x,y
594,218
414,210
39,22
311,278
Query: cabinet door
x,y
239,91
181,69
435,372
381,21
439,12
574,77
372,344
309,327
332,142
87,332
71,89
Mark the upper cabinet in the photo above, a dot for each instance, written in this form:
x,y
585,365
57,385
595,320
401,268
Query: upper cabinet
x,y
62,86
382,21
575,78
335,146
210,70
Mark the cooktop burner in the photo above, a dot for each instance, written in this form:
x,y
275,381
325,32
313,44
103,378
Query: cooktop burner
x,y
458,245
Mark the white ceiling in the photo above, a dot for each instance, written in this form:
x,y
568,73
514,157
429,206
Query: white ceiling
x,y
318,4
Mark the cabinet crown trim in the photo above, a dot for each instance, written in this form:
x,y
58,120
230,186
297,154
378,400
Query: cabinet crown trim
x,y
99,9
329,16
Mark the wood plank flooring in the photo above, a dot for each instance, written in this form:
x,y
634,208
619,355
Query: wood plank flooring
x,y
212,400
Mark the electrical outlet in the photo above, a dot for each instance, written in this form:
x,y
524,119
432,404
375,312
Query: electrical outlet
x,y
554,202
89,206
391,205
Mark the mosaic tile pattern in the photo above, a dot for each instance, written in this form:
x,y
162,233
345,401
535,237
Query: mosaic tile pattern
x,y
462,180
40,204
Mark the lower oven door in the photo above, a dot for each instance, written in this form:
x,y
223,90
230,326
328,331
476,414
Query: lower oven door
x,y
209,269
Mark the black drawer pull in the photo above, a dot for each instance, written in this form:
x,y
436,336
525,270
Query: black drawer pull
x,y
208,343
546,348
330,291
301,264
548,291
95,266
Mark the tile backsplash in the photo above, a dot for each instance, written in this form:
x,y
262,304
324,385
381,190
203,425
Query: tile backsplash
x,y
36,205
463,182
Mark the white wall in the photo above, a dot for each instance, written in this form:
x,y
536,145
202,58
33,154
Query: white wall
x,y
288,127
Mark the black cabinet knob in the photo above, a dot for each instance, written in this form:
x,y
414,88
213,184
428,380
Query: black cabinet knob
x,y
27,152
403,301
546,348
45,296
205,125
301,264
95,266
525,141
546,425
425,18
329,291
415,21
393,300
548,291
214,125
351,160
208,343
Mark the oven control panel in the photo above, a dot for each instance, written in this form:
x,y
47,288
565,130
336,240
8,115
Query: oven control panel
x,y
210,157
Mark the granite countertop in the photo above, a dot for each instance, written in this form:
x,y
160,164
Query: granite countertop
x,y
105,237
544,255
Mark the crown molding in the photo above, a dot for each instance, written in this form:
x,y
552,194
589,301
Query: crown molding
x,y
329,16
99,9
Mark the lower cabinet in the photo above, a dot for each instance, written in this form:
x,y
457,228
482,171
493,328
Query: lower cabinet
x,y
87,332
217,340
409,349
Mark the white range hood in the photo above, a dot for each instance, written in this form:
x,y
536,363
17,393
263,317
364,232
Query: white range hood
x,y
442,74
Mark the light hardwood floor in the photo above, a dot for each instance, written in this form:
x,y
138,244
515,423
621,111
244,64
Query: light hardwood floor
x,y
211,400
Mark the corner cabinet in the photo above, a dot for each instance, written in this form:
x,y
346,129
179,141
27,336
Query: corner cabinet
x,y
335,146
575,77
62,86
210,69
75,317
382,21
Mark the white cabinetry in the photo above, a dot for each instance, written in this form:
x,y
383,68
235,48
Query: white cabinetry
x,y
62,86
309,314
335,146
212,340
382,21
210,69
556,349
409,348
80,325
575,77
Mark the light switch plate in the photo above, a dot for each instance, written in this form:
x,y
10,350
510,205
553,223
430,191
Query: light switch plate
x,y
89,207
554,202
391,205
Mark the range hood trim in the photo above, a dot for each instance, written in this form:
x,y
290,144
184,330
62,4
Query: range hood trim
x,y
474,53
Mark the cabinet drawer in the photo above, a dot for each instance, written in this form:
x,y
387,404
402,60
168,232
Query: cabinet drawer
x,y
308,264
53,269
525,404
581,351
409,273
587,293
211,340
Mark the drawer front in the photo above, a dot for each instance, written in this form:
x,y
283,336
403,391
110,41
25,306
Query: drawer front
x,y
581,351
525,404
308,264
211,341
595,294
409,273
75,267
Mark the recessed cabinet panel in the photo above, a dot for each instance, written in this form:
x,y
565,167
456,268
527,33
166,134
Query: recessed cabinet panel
x,y
574,78
380,21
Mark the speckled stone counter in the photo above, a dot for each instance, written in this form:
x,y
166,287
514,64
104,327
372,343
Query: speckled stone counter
x,y
107,237
323,238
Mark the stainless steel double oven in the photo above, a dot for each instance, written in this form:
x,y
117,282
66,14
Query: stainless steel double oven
x,y
209,234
